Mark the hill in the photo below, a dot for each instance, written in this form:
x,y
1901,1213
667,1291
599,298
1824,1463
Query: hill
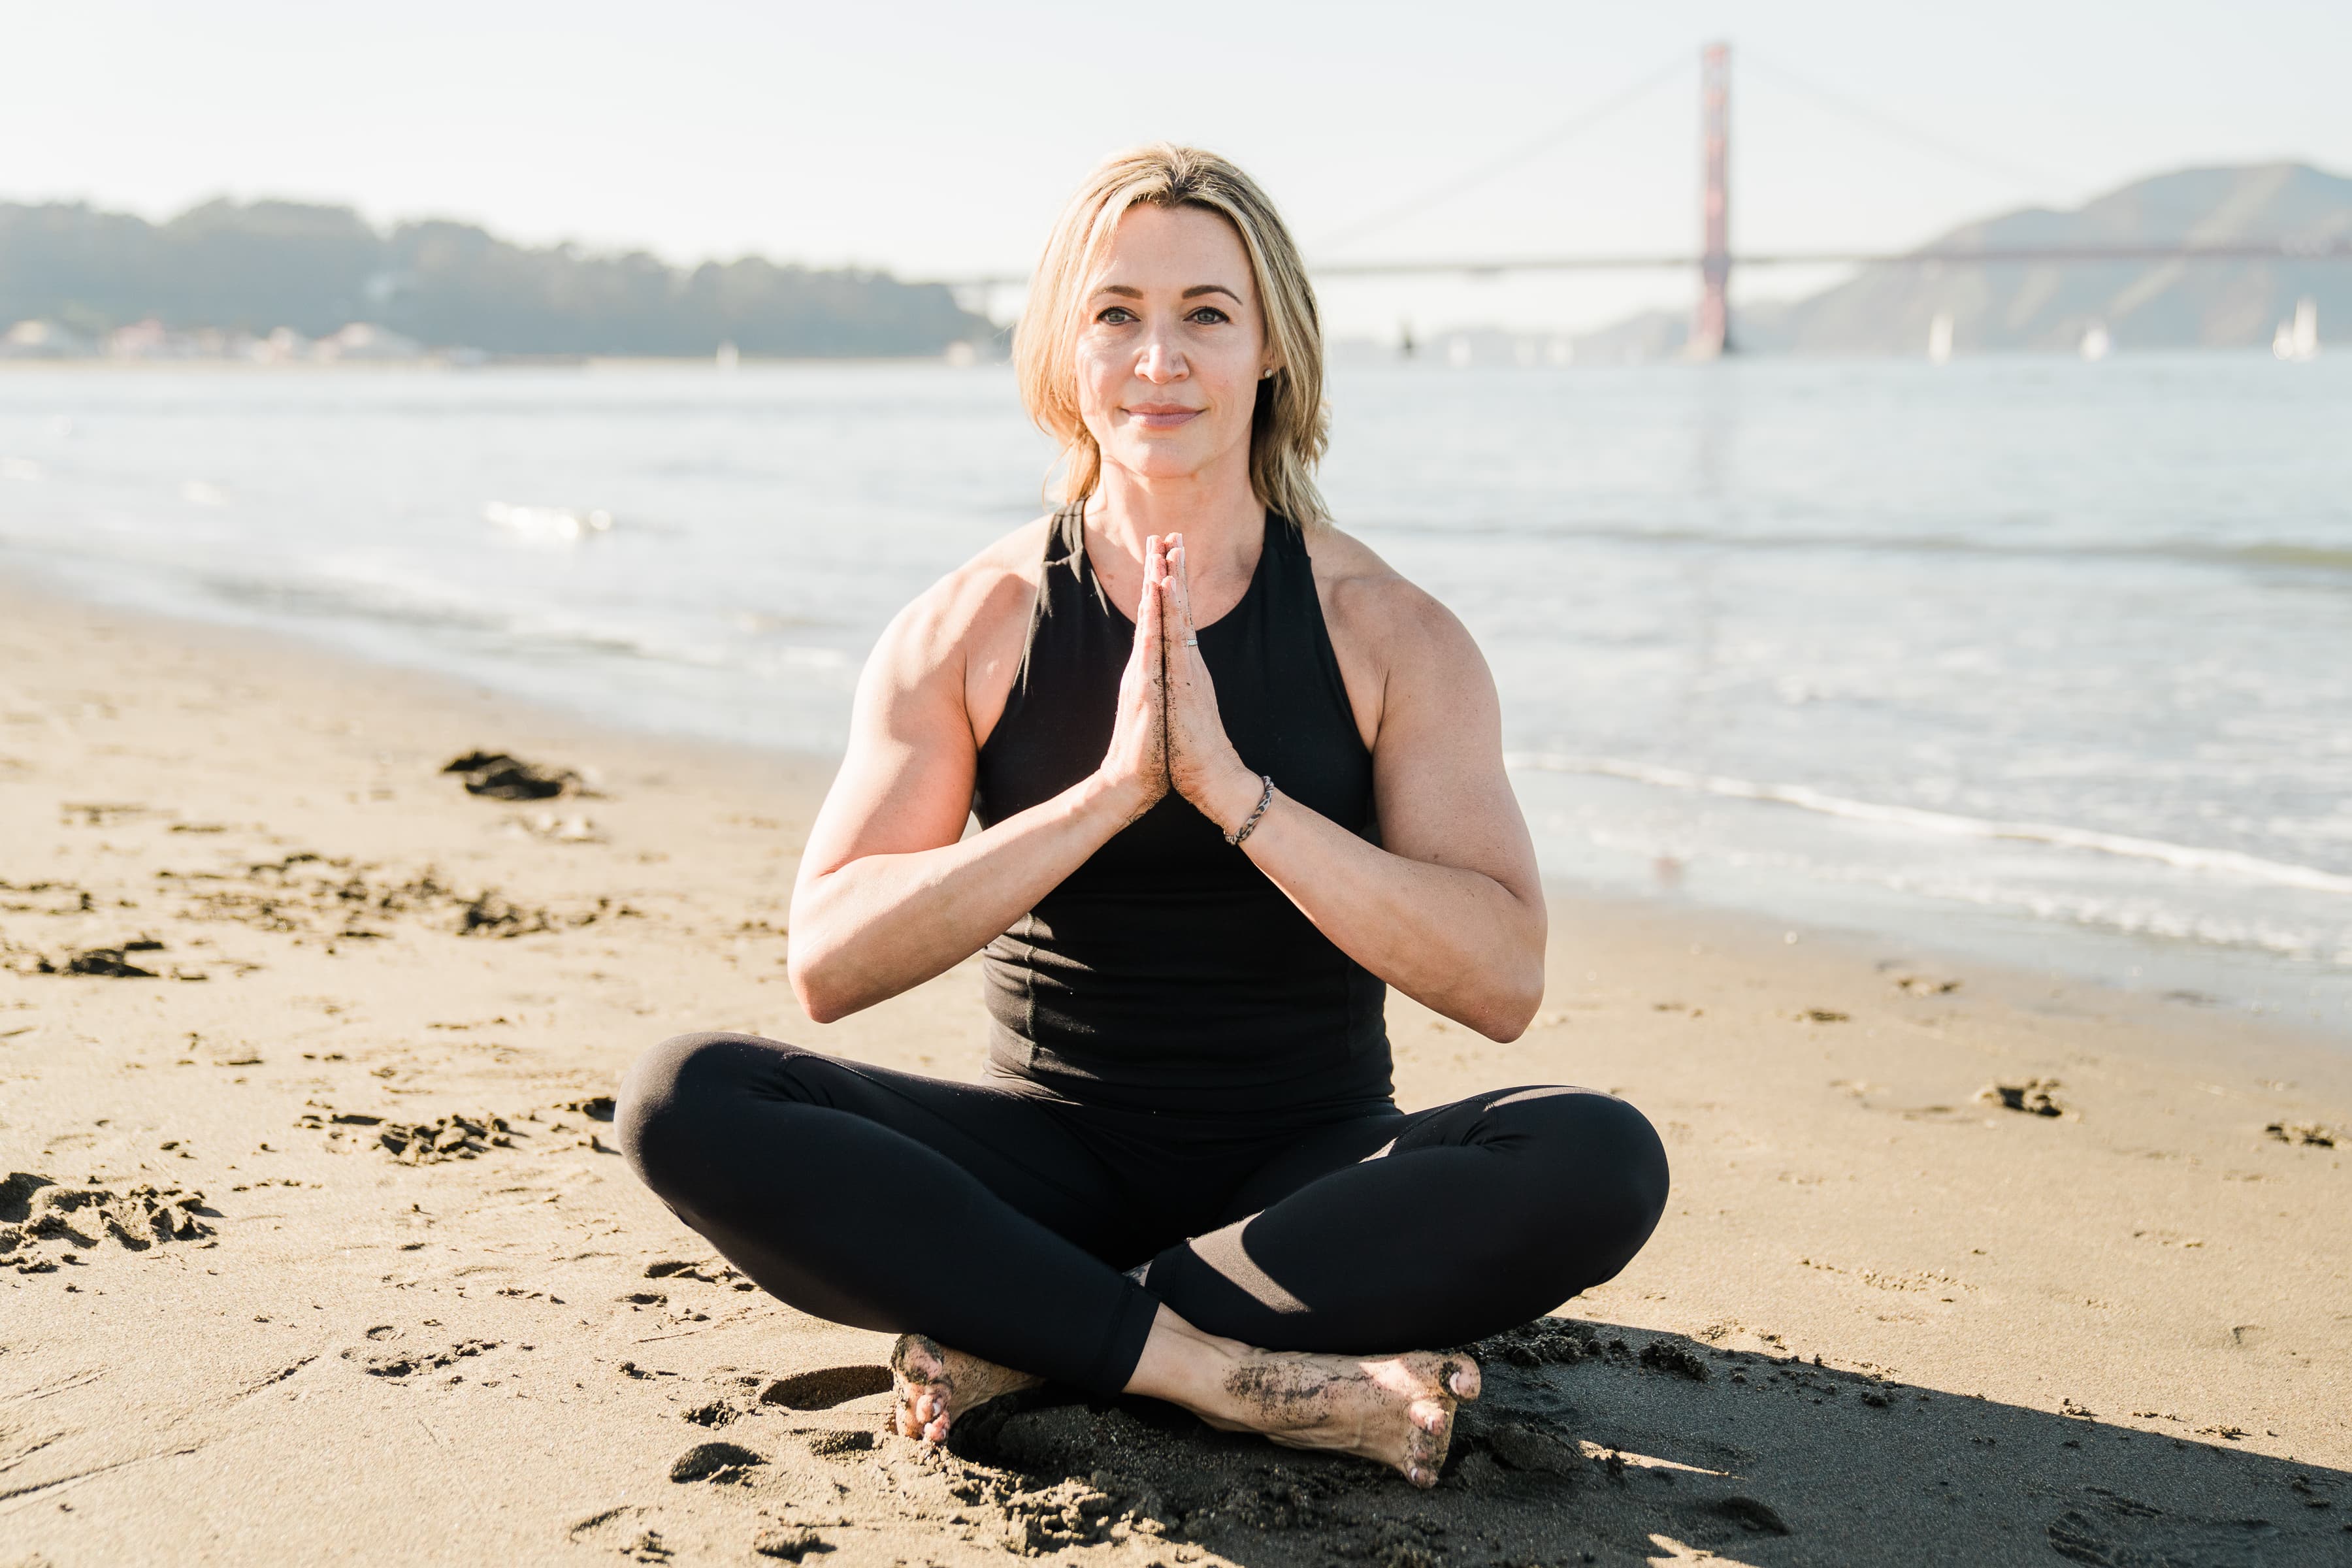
x,y
2045,306
256,266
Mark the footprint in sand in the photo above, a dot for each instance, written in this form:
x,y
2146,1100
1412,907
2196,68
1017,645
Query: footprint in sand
x,y
1752,1514
2107,1527
825,1387
1518,1446
722,1462
43,1223
396,1363
790,1541
840,1445
622,1530
2035,1096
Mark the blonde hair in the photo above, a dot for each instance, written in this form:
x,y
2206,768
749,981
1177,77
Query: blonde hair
x,y
1290,427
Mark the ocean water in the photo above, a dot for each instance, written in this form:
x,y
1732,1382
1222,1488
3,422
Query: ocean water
x,y
2039,658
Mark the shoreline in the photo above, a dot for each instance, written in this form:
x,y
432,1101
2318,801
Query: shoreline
x,y
1887,1316
2179,973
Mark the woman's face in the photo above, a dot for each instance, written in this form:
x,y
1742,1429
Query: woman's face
x,y
1173,344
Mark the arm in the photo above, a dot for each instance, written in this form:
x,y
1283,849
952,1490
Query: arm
x,y
1450,910
889,894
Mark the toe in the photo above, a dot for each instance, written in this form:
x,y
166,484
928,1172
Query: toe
x,y
1461,1377
1426,1449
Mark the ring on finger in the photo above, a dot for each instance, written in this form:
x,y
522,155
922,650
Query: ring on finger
x,y
1191,642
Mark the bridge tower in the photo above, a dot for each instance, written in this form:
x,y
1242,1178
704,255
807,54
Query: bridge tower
x,y
1711,326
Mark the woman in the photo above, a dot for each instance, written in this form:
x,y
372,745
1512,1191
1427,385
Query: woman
x,y
1211,833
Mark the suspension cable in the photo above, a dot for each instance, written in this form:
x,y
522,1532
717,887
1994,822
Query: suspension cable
x,y
1543,143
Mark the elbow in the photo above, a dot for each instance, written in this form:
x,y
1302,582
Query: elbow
x,y
822,983
1507,1019
822,1011
818,988
1508,1011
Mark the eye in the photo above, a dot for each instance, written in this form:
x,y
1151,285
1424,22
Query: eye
x,y
1115,316
1208,316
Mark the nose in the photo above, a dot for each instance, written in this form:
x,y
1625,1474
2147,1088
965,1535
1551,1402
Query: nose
x,y
1160,360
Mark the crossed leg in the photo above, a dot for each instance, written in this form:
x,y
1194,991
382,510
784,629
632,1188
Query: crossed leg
x,y
969,1217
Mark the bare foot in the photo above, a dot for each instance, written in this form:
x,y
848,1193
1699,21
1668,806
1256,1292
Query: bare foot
x,y
936,1384
1395,1410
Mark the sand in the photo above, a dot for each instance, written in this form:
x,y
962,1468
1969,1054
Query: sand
x,y
321,1250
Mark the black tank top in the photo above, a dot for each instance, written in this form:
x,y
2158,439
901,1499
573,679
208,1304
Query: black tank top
x,y
1167,972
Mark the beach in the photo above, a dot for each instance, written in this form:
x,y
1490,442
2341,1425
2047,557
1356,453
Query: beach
x,y
321,1249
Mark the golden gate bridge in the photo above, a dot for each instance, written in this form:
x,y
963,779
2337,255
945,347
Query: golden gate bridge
x,y
1714,260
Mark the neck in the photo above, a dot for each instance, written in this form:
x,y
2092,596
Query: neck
x,y
1220,517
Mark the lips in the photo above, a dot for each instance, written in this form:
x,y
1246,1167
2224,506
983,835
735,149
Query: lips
x,y
1161,416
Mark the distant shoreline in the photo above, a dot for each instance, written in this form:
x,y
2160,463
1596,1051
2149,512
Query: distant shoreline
x,y
432,364
1345,355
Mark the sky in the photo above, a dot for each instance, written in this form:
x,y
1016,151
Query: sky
x,y
939,139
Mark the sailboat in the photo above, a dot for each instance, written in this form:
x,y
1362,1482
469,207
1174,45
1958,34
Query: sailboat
x,y
2095,342
2299,339
1939,339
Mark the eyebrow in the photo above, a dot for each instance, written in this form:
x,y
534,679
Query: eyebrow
x,y
1194,292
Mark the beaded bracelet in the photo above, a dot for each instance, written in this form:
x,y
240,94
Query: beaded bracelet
x,y
1235,837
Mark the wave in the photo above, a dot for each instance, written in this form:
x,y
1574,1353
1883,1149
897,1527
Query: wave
x,y
2142,919
2314,558
371,591
547,524
2188,857
2130,916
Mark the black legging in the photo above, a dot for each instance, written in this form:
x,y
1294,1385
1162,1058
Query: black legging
x,y
998,1219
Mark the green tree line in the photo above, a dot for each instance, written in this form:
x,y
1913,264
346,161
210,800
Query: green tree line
x,y
257,265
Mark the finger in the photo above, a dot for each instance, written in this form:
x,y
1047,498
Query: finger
x,y
1179,574
1150,623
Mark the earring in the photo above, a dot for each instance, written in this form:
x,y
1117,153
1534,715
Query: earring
x,y
1266,374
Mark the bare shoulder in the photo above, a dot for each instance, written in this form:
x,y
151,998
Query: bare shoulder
x,y
1000,581
955,647
1391,635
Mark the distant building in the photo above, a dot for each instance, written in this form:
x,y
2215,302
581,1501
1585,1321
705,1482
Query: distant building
x,y
284,345
44,340
148,340
362,341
